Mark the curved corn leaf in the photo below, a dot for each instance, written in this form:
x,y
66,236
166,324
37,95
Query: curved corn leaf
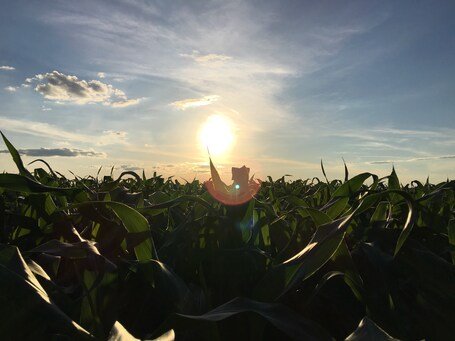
x,y
451,235
48,166
119,333
17,158
27,299
352,186
283,318
24,184
368,330
287,275
134,223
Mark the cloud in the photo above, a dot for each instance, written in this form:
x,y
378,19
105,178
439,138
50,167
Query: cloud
x,y
206,58
441,157
65,152
248,82
129,168
125,103
407,132
187,167
10,88
41,129
101,75
112,137
59,87
50,131
199,167
195,102
289,162
28,82
8,68
417,143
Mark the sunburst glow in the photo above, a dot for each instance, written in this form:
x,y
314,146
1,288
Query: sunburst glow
x,y
217,135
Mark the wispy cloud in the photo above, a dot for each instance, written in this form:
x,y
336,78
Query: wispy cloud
x,y
53,132
416,143
129,168
289,162
41,129
441,157
248,83
8,68
112,137
65,152
158,150
56,86
101,75
184,167
10,88
195,102
393,145
125,103
375,134
407,132
206,58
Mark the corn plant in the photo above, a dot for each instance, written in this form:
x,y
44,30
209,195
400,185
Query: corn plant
x,y
146,258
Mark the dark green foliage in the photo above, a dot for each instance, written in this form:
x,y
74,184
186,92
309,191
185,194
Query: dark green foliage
x,y
105,259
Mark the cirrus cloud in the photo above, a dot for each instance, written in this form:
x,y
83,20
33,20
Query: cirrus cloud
x,y
50,131
440,157
56,86
129,168
65,152
206,58
113,137
195,102
125,103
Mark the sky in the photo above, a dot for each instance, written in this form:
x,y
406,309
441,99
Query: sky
x,y
137,85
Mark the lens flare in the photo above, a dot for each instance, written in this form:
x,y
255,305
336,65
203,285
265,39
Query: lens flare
x,y
242,190
233,196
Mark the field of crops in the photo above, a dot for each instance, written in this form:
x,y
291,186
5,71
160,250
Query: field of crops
x,y
363,258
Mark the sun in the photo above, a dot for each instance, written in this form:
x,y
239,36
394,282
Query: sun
x,y
216,135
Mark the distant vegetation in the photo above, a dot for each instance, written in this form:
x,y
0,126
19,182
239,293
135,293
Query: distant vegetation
x,y
365,258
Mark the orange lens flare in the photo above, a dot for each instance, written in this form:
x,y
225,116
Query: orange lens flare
x,y
242,190
235,194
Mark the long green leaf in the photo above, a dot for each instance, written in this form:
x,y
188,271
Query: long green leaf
x,y
368,330
134,223
218,184
288,321
409,224
119,333
17,158
351,186
284,277
26,300
451,235
21,183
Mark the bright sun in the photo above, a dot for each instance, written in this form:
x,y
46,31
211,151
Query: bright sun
x,y
216,134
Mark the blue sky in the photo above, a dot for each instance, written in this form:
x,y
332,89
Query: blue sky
x,y
131,84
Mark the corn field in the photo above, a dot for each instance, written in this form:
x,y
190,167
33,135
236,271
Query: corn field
x,y
363,258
